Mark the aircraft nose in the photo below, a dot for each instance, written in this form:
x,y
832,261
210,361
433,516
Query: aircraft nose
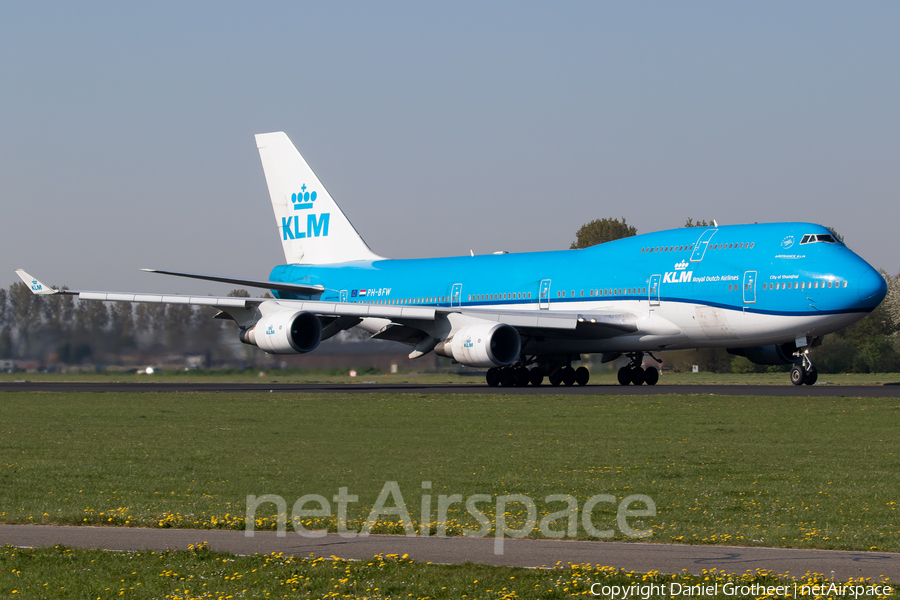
x,y
872,286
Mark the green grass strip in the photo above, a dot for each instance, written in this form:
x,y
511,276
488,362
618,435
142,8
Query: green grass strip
x,y
782,472
203,574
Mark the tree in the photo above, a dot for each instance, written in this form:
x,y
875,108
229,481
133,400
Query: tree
x,y
891,302
122,331
24,315
600,231
835,233
690,223
5,333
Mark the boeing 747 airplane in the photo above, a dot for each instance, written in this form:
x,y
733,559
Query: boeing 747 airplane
x,y
768,292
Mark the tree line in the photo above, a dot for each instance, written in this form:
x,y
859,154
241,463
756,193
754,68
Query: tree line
x,y
61,329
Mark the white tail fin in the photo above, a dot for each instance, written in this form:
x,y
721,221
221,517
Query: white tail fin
x,y
313,230
36,286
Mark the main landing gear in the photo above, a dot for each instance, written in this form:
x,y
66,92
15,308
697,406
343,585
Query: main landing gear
x,y
805,372
519,375
634,373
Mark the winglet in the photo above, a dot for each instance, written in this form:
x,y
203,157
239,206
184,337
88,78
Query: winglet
x,y
36,286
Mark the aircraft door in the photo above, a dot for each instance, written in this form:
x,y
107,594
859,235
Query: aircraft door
x,y
544,295
702,244
456,295
344,296
749,287
654,290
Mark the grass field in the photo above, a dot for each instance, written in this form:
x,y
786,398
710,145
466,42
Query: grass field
x,y
798,472
602,376
201,574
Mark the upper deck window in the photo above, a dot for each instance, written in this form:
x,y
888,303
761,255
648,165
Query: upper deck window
x,y
812,238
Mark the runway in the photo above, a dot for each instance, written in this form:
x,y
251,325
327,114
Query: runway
x,y
637,556
805,391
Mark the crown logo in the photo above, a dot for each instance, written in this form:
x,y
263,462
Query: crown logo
x,y
682,265
303,199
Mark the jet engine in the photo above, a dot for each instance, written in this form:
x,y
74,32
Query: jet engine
x,y
483,345
285,332
776,354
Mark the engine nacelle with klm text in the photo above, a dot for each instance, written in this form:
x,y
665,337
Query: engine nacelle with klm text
x,y
483,345
285,332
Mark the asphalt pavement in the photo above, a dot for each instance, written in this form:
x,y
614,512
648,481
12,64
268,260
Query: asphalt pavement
x,y
637,556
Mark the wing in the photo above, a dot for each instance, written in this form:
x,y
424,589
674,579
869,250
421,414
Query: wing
x,y
412,325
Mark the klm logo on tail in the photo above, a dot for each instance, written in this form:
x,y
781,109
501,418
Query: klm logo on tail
x,y
316,225
304,199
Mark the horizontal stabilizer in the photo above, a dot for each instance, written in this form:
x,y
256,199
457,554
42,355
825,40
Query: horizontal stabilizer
x,y
294,288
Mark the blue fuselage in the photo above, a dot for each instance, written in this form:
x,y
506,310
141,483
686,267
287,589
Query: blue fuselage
x,y
706,282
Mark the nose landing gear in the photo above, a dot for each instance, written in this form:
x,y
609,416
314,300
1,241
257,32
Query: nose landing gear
x,y
805,372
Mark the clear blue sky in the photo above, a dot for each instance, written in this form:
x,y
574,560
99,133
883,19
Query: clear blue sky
x,y
127,130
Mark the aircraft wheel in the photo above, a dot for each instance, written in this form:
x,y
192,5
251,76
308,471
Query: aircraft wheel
x,y
507,377
536,376
651,375
798,375
637,376
556,377
624,376
568,376
493,377
521,375
812,375
582,375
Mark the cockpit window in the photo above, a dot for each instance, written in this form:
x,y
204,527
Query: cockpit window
x,y
812,238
